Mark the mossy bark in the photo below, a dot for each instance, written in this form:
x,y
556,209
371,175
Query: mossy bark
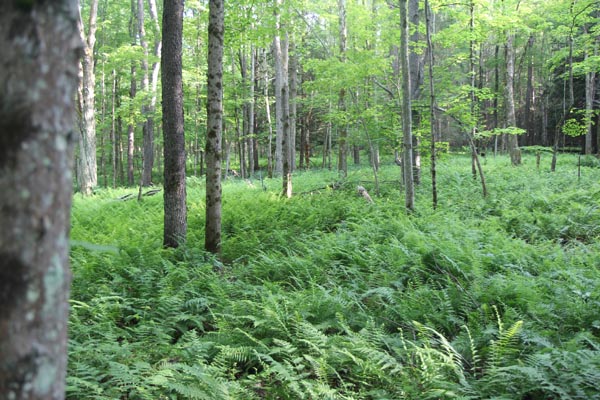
x,y
40,48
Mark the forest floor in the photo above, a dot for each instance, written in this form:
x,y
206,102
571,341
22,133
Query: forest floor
x,y
325,295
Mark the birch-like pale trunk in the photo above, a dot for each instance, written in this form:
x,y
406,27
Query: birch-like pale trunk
x,y
511,119
279,82
87,170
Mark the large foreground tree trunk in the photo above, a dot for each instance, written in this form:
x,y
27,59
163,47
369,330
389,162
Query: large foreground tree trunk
x,y
175,216
40,46
212,239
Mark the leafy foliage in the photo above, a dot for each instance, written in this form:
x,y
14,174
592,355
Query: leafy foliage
x,y
325,296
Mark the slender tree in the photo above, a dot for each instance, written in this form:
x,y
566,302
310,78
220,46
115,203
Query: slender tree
x,y
285,122
280,76
132,94
343,134
590,92
416,62
87,170
432,104
40,48
476,164
153,85
511,119
407,153
214,123
175,216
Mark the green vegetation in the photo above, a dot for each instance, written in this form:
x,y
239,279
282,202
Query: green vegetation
x,y
326,296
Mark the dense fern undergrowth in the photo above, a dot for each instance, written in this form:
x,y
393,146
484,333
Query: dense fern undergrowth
x,y
324,296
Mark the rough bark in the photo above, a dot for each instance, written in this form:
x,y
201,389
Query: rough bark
x,y
407,153
175,214
212,241
87,169
40,48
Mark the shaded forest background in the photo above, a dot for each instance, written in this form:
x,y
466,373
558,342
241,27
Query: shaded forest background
x,y
340,96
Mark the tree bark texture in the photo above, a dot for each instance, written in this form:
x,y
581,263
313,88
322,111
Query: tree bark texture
x,y
407,153
285,122
214,127
432,104
175,213
416,60
511,119
293,105
87,169
343,134
279,82
40,46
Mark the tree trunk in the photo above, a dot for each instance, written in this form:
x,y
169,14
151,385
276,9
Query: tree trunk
x,y
103,123
511,119
87,169
269,122
155,71
285,122
343,128
407,153
306,141
175,213
40,49
476,165
251,121
293,93
529,94
132,94
113,130
432,105
279,82
590,83
147,129
416,62
214,123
